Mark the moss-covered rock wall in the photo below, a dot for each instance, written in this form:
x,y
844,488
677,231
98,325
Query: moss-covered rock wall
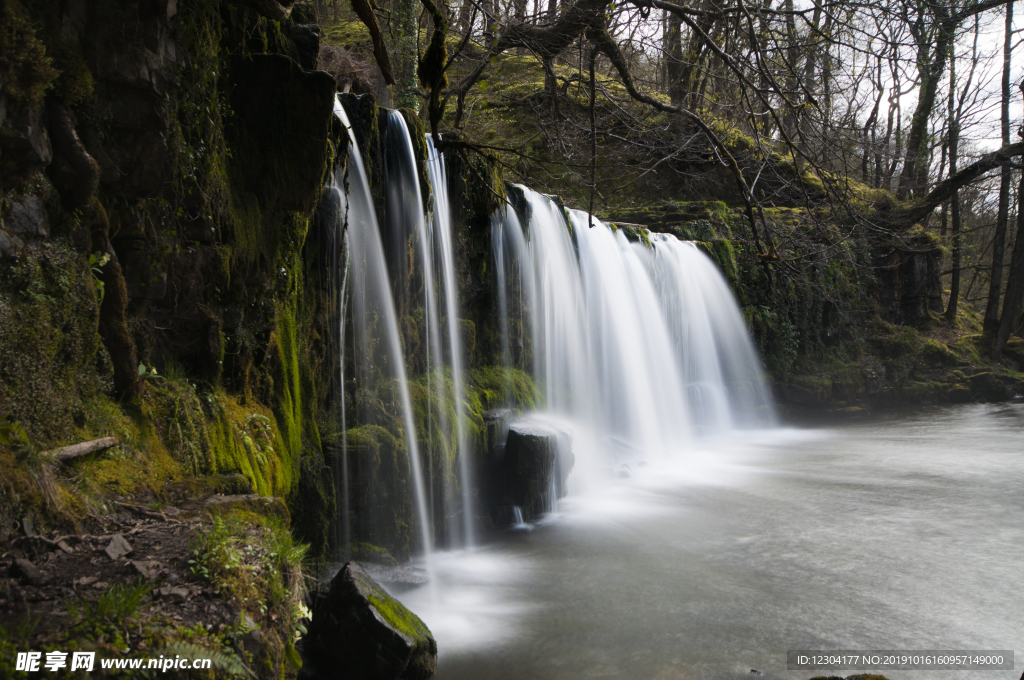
x,y
161,164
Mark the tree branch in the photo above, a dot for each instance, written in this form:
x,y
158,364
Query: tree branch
x,y
945,190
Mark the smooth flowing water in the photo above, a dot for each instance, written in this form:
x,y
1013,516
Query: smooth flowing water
x,y
373,309
441,221
641,345
897,533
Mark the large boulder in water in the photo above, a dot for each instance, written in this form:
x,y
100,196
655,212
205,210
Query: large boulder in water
x,y
531,471
359,632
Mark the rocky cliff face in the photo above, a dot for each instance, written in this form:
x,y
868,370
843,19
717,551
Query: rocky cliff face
x,y
160,163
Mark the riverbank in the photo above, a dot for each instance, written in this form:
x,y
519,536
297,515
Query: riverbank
x,y
202,577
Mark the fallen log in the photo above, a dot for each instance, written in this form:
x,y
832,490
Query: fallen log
x,y
76,450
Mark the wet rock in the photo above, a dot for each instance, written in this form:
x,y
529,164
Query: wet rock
x,y
496,422
267,506
118,547
26,572
532,471
361,632
279,131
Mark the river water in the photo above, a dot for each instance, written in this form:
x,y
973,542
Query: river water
x,y
904,532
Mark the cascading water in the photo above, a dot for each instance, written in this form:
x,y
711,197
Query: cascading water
x,y
373,310
642,345
442,228
406,271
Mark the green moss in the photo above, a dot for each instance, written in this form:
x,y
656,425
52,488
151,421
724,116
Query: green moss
x,y
313,505
51,362
381,504
25,68
920,392
938,353
74,85
725,256
399,617
476,179
352,35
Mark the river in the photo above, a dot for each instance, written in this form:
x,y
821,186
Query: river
x,y
898,532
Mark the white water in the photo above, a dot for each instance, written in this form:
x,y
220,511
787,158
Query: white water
x,y
638,350
894,533
442,225
642,347
373,303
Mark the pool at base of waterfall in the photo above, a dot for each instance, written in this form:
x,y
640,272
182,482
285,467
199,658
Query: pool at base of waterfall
x,y
901,532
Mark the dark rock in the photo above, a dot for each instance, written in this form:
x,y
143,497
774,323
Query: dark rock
x,y
532,469
145,276
910,283
362,633
252,641
24,139
307,44
28,217
279,131
991,386
10,244
26,572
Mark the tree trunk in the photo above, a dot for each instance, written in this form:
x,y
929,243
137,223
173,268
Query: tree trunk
x,y
1014,299
674,59
954,208
1003,217
931,65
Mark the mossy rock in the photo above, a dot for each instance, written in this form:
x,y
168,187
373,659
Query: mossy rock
x,y
228,485
265,506
992,386
51,361
359,631
936,353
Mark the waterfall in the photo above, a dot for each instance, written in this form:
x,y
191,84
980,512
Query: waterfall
x,y
442,223
374,319
642,345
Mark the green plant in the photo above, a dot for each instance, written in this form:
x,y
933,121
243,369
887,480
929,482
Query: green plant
x,y
108,614
11,433
96,262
